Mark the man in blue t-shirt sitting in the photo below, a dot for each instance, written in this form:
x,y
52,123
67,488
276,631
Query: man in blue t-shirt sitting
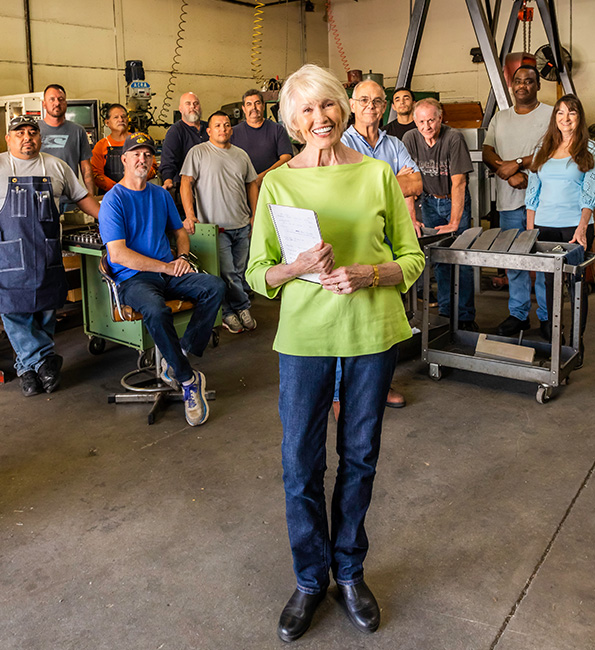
x,y
134,220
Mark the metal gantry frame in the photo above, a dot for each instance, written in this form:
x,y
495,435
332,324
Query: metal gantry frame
x,y
484,22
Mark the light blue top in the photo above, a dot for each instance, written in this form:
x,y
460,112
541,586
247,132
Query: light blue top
x,y
559,191
388,148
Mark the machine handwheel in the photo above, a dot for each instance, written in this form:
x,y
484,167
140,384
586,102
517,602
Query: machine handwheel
x,y
544,394
146,359
435,372
96,345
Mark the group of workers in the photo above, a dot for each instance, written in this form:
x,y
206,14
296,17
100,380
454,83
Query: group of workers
x,y
337,338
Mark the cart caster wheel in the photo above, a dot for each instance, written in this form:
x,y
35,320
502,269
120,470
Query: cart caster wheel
x,y
435,372
215,338
565,381
96,345
544,394
146,359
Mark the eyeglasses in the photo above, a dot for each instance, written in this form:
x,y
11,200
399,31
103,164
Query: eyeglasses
x,y
364,101
24,120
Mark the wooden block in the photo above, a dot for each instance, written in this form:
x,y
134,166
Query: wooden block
x,y
524,242
74,295
71,261
485,240
504,240
500,350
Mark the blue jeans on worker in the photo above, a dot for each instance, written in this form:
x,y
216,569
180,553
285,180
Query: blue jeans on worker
x,y
436,212
31,337
305,396
146,292
234,246
519,282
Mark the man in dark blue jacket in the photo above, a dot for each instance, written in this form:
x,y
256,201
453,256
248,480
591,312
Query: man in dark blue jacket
x,y
179,139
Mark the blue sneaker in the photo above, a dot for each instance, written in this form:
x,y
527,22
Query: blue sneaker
x,y
167,375
196,407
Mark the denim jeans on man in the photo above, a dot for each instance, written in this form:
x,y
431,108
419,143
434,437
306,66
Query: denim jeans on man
x,y
519,282
31,337
305,396
234,246
436,212
146,292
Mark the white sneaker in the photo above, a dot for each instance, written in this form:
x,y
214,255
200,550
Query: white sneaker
x,y
232,323
196,407
248,323
167,375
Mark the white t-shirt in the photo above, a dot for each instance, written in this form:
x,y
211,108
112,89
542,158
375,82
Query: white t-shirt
x,y
64,182
220,177
515,136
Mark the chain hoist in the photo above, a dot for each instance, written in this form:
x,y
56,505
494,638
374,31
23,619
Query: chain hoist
x,y
526,17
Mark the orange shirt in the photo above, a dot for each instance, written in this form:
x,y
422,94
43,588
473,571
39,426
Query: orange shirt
x,y
98,162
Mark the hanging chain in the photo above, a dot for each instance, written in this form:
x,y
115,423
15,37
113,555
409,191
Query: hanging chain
x,y
526,15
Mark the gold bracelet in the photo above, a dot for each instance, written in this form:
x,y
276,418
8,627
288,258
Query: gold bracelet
x,y
376,277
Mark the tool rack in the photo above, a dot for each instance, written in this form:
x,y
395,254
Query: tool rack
x,y
507,249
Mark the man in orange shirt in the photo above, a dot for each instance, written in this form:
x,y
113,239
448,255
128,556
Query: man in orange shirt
x,y
107,153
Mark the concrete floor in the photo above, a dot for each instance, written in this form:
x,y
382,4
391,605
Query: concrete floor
x,y
119,536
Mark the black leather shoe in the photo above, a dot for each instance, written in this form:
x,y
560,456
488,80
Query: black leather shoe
x,y
297,614
545,329
468,326
30,384
513,325
362,607
49,373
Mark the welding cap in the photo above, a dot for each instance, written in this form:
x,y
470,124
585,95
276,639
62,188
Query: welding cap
x,y
22,120
136,140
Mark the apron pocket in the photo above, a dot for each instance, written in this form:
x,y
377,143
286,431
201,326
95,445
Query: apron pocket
x,y
11,255
53,253
18,202
45,205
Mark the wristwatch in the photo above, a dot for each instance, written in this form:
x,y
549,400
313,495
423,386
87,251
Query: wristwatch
x,y
519,162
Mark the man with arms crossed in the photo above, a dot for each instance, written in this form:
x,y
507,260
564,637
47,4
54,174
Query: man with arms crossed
x,y
134,220
508,149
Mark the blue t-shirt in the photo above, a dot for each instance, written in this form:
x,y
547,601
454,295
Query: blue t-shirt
x,y
143,219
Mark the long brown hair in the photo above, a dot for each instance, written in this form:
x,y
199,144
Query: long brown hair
x,y
579,148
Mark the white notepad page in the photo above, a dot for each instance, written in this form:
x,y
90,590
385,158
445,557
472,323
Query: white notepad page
x,y
298,230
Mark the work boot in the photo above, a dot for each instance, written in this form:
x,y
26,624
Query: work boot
x,y
512,326
30,384
49,373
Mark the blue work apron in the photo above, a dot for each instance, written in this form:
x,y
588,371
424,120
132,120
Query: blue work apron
x,y
32,277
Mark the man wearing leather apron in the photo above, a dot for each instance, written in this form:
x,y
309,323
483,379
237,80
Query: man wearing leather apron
x,y
106,161
32,277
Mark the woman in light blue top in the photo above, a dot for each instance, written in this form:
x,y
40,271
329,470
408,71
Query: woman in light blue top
x,y
561,190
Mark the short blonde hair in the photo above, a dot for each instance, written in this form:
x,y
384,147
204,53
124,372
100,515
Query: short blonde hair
x,y
428,101
310,83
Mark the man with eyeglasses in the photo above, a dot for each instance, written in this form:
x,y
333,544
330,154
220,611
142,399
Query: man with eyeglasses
x,y
266,142
512,138
444,160
368,103
32,278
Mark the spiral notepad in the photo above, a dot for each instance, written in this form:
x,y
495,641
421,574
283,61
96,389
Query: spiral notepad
x,y
297,230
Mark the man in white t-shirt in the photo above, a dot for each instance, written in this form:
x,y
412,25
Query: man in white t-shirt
x,y
508,149
219,185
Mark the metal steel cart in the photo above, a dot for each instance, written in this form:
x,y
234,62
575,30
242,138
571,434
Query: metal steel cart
x,y
456,348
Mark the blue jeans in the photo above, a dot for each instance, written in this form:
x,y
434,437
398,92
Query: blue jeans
x,y
234,246
305,396
146,292
31,337
436,212
519,282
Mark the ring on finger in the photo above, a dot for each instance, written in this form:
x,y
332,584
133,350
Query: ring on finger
x,y
337,288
